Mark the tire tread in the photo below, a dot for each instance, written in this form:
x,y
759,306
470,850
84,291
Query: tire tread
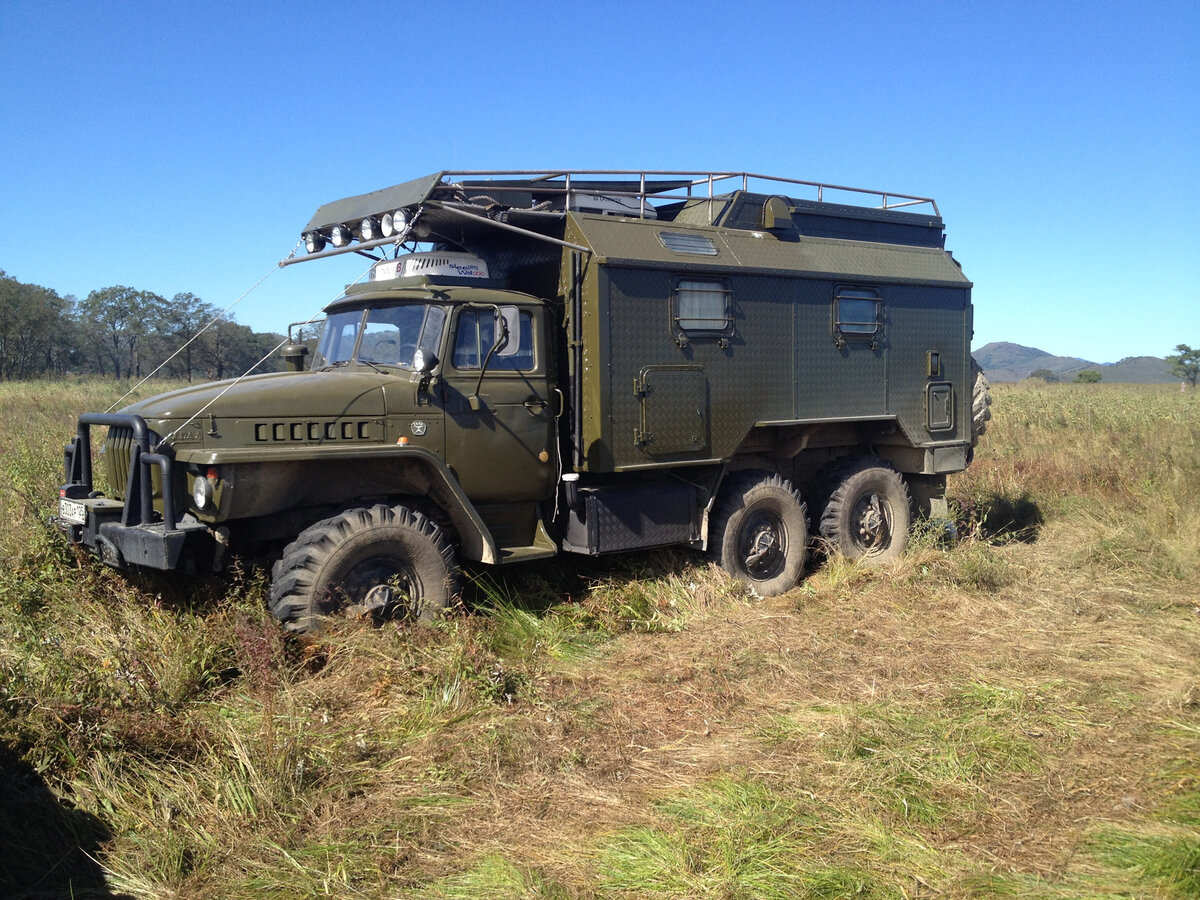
x,y
298,569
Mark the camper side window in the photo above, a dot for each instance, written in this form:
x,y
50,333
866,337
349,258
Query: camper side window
x,y
702,309
857,314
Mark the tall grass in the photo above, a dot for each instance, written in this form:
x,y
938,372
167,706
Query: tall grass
x,y
1017,714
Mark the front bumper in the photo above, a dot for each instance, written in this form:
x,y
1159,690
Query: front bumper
x,y
151,545
126,533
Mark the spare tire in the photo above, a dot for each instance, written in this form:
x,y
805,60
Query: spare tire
x,y
981,402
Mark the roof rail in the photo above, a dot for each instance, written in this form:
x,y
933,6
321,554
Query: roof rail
x,y
665,184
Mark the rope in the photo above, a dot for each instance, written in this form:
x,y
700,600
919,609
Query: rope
x,y
196,336
235,382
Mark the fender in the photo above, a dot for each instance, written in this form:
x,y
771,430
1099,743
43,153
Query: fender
x,y
414,470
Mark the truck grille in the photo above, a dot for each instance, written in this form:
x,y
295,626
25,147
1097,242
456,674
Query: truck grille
x,y
118,450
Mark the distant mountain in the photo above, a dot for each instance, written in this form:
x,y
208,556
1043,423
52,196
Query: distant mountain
x,y
1003,361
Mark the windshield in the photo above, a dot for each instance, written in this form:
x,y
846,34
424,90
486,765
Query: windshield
x,y
383,336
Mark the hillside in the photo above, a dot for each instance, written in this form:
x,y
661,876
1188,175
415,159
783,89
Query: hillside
x,y
1004,361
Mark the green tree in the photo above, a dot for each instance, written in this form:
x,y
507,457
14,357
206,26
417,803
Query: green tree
x,y
1088,376
1043,374
229,349
35,329
180,321
119,319
1185,363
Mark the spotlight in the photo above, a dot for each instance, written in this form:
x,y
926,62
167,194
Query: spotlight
x,y
399,220
340,235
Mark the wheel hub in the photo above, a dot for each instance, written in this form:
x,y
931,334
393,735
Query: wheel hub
x,y
764,548
871,525
378,599
381,586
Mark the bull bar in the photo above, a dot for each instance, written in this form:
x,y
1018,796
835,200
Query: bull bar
x,y
139,536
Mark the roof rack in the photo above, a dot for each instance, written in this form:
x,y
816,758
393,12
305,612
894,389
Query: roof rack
x,y
390,215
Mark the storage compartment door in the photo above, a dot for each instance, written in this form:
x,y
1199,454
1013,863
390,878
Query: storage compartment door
x,y
674,411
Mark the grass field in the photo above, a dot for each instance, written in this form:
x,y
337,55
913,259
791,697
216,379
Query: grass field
x,y
1017,715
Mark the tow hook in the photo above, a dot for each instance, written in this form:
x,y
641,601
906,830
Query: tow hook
x,y
221,536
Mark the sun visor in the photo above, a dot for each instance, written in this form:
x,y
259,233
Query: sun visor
x,y
376,203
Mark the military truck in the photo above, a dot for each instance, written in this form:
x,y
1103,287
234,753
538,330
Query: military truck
x,y
565,362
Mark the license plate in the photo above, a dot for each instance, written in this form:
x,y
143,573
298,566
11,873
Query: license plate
x,y
72,511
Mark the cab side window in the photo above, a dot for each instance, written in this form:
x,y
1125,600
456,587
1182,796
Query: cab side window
x,y
477,334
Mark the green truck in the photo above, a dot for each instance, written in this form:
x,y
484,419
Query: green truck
x,y
565,361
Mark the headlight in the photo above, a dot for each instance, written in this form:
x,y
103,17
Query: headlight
x,y
202,489
314,242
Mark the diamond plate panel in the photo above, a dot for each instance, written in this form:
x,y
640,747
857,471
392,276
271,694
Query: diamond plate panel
x,y
627,517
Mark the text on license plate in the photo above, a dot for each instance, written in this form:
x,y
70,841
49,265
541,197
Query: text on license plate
x,y
72,511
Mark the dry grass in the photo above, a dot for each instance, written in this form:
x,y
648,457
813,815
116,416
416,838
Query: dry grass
x,y
1018,715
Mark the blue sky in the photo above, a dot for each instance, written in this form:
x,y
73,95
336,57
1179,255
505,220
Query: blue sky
x,y
181,147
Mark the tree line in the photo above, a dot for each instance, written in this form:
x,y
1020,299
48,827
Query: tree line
x,y
120,332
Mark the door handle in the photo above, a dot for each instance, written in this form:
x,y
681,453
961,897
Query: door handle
x,y
535,405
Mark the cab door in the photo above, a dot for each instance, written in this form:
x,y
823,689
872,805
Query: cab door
x,y
499,404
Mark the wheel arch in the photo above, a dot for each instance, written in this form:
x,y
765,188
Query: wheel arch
x,y
266,485
440,485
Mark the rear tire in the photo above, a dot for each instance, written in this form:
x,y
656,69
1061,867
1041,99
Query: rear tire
x,y
381,561
867,515
760,532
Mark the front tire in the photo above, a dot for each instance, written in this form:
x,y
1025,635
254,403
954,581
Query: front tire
x,y
867,515
760,532
382,561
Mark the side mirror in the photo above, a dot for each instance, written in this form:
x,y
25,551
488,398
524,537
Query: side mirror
x,y
424,360
293,355
508,331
